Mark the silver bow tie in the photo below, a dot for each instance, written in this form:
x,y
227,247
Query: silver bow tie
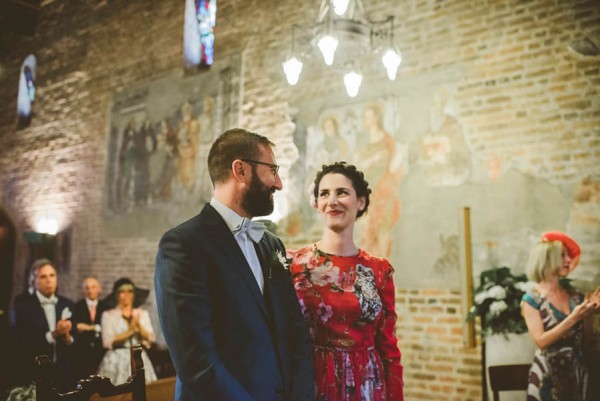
x,y
254,229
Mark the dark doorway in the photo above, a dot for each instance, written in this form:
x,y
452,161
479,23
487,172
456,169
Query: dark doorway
x,y
7,261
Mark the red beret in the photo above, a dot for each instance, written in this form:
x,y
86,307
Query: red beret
x,y
569,243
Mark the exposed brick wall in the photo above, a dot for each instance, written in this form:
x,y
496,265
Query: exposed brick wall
x,y
523,96
437,365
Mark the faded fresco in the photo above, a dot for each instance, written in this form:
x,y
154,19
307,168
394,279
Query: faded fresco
x,y
363,134
416,155
160,135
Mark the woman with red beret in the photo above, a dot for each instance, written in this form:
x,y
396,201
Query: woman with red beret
x,y
558,318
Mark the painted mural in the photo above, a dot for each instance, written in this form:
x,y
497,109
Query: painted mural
x,y
160,135
416,154
363,134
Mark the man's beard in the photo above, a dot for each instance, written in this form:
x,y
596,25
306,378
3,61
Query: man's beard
x,y
258,200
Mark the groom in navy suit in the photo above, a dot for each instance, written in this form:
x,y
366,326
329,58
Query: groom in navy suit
x,y
226,304
42,324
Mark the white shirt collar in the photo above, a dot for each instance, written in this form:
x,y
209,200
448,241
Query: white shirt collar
x,y
232,219
90,303
41,297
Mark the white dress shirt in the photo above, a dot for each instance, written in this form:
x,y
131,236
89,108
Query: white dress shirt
x,y
49,307
91,304
233,220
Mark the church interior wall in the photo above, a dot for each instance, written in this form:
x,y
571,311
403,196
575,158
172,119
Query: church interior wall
x,y
494,108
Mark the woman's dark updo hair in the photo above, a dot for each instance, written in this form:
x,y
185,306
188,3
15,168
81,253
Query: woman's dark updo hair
x,y
361,186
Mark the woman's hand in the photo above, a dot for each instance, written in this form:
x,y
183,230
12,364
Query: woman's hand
x,y
594,297
584,310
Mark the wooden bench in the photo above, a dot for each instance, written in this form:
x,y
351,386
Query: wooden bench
x,y
160,390
94,386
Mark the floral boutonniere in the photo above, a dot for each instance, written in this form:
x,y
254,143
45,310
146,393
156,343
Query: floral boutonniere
x,y
66,314
279,260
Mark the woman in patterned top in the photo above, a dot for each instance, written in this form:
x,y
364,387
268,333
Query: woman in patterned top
x,y
347,297
558,320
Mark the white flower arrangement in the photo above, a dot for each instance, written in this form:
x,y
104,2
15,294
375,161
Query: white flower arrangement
x,y
497,301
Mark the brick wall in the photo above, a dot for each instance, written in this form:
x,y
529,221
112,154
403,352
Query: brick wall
x,y
437,364
522,96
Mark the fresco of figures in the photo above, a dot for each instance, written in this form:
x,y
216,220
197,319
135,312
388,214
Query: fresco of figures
x,y
160,135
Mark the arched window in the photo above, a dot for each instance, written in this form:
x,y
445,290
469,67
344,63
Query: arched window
x,y
198,32
26,92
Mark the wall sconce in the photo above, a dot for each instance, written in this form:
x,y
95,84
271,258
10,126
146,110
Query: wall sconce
x,y
56,247
47,225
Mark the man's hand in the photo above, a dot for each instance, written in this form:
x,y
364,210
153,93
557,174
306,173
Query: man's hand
x,y
81,327
62,331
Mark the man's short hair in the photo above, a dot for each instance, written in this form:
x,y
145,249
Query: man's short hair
x,y
233,144
38,264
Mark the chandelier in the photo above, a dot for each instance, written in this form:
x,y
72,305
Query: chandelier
x,y
343,35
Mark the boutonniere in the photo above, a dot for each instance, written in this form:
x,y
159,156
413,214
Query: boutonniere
x,y
279,260
66,314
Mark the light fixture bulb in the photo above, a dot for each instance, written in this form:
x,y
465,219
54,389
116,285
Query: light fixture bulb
x,y
391,61
327,44
352,81
47,225
340,6
292,68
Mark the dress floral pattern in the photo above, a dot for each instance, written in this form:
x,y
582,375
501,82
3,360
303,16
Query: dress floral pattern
x,y
558,373
348,303
116,363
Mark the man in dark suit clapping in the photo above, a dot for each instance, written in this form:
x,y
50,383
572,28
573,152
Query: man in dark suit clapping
x,y
43,326
226,303
87,316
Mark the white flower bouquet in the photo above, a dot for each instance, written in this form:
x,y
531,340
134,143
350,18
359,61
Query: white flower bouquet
x,y
497,301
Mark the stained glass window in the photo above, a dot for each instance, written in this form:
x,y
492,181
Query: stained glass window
x,y
26,95
198,32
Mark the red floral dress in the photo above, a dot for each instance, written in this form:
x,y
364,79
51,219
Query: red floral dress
x,y
348,303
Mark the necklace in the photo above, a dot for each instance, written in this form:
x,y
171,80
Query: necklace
x,y
353,252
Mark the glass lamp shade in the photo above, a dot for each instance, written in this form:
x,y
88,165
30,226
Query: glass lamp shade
x,y
340,6
391,61
352,81
292,68
327,44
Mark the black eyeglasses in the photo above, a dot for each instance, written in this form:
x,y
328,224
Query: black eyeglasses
x,y
274,167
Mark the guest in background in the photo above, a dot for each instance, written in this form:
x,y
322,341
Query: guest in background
x,y
347,297
87,316
123,326
42,324
558,320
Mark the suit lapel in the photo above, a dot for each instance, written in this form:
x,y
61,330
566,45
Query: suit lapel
x,y
262,251
40,314
224,240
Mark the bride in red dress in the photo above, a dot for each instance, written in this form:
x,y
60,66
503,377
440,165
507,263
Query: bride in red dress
x,y
347,298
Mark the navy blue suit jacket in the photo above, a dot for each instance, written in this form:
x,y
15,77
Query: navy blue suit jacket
x,y
227,340
31,326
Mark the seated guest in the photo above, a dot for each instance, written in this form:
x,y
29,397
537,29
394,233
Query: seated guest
x,y
43,326
87,315
122,327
